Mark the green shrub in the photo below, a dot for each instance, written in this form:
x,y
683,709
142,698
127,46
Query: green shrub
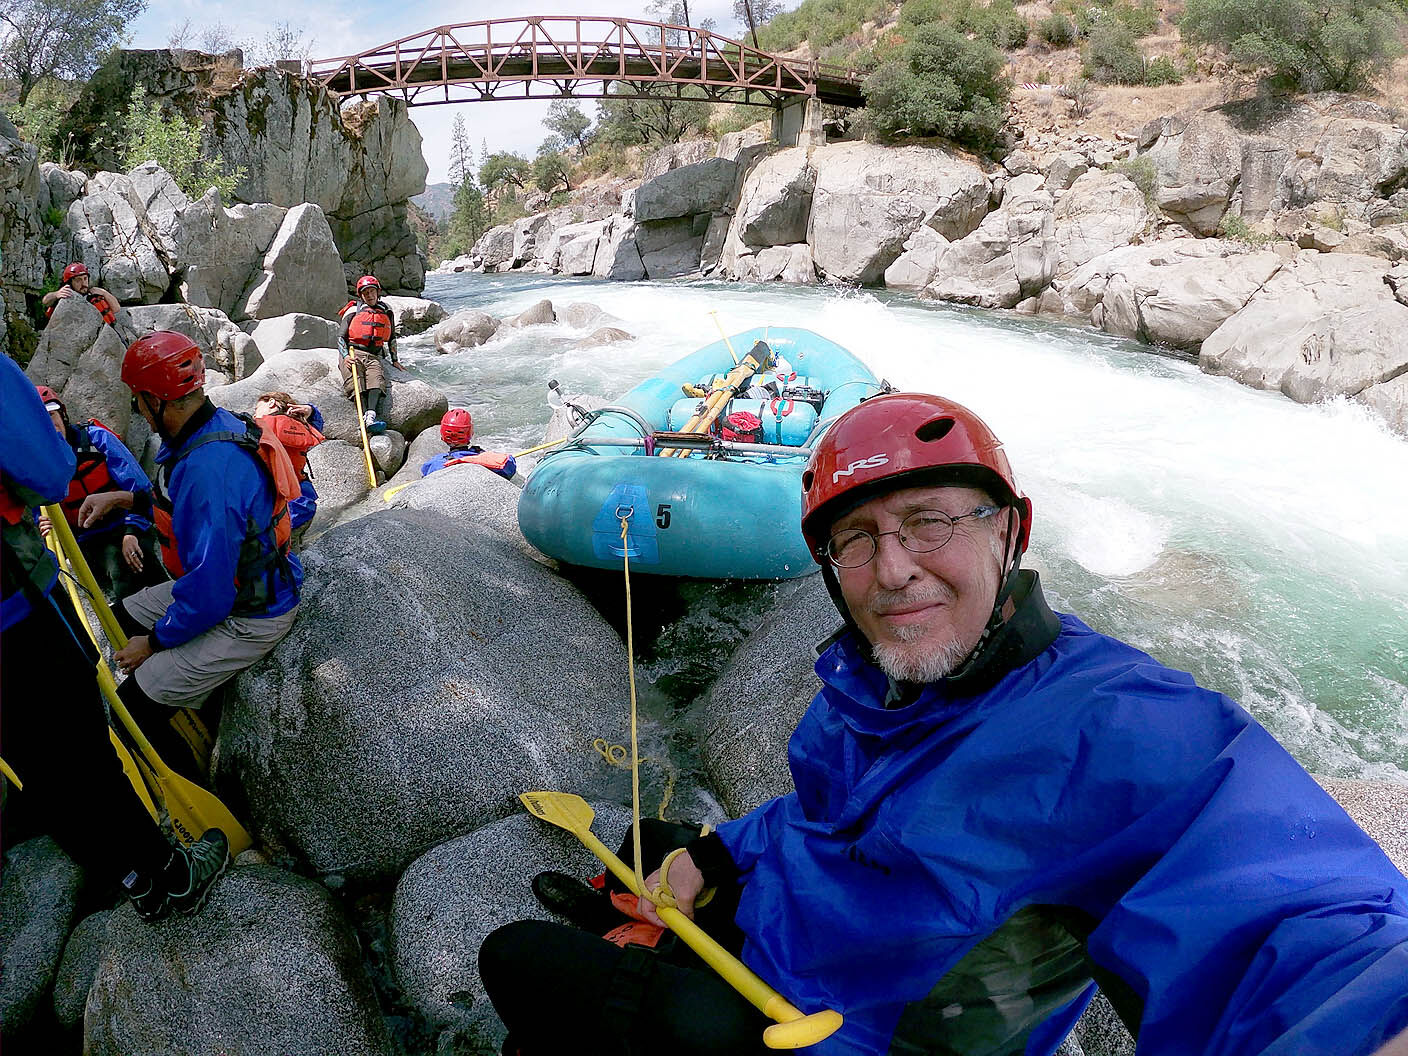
x,y
821,22
1140,171
39,118
939,84
1111,55
54,216
1161,71
1312,45
1238,230
1042,77
996,21
1058,31
174,142
1140,19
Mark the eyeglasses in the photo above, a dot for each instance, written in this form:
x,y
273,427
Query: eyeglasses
x,y
921,532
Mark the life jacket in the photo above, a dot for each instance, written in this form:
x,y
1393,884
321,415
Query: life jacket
x,y
742,427
91,476
256,567
26,566
370,328
97,301
297,436
495,460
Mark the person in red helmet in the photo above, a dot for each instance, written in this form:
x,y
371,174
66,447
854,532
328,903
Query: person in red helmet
x,y
368,337
457,430
994,808
76,282
220,505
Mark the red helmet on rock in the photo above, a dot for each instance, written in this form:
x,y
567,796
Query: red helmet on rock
x,y
74,270
166,364
457,427
366,282
903,440
48,396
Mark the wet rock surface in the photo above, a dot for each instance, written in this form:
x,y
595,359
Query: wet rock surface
x,y
39,893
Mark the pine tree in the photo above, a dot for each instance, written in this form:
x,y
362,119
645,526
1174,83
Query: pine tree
x,y
461,153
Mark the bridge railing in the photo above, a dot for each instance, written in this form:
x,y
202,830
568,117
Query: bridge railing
x,y
570,49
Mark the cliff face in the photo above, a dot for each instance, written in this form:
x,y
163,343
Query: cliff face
x,y
360,164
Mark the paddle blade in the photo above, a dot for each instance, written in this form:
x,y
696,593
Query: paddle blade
x,y
562,809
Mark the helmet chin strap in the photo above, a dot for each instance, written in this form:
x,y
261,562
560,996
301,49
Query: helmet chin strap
x,y
159,414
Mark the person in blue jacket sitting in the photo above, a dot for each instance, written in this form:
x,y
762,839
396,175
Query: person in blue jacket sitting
x,y
118,544
457,430
224,536
996,808
53,724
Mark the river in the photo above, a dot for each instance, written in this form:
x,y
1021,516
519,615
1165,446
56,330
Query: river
x,y
1260,544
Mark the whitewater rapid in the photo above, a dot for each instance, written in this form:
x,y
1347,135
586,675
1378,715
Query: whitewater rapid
x,y
1260,544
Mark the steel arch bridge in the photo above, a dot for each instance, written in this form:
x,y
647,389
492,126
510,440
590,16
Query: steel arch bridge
x,y
571,56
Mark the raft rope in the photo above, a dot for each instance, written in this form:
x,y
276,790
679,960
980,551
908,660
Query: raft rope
x,y
654,896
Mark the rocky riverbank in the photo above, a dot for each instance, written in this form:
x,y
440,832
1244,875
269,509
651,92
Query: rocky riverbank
x,y
1269,238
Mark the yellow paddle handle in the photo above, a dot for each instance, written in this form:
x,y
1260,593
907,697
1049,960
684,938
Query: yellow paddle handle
x,y
68,545
361,421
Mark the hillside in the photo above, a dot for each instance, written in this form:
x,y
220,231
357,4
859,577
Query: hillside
x,y
437,199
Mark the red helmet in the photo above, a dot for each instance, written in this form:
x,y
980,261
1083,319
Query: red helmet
x,y
366,281
903,440
48,396
457,427
165,364
75,269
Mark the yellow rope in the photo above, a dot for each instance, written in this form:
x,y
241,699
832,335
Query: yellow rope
x,y
631,677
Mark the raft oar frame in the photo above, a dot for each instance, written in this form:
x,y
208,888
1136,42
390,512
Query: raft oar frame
x,y
792,1028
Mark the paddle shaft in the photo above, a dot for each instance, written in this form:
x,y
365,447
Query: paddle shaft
x,y
362,421
701,422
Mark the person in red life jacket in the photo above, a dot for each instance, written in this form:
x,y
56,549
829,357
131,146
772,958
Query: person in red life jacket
x,y
994,808
368,336
457,430
118,544
299,428
78,283
53,724
220,508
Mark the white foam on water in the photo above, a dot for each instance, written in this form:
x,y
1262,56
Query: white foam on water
x,y
1127,455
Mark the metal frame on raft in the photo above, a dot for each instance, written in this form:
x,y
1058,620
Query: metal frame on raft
x,y
705,442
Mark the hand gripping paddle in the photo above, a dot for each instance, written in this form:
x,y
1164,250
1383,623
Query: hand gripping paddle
x,y
792,1029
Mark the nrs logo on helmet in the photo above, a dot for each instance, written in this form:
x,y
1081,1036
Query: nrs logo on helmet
x,y
873,462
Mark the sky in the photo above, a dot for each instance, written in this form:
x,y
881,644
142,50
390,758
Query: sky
x,y
347,28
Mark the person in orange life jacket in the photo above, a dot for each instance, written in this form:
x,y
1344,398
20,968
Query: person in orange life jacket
x,y
78,283
368,335
225,534
457,429
994,807
53,726
299,428
118,544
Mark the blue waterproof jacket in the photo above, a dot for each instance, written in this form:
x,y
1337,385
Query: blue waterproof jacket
x,y
302,509
35,467
462,455
220,497
126,474
951,874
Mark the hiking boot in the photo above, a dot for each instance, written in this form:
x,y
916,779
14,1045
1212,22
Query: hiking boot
x,y
369,418
149,902
579,903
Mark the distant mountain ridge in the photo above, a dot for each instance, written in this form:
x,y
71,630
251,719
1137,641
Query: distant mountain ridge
x,y
437,199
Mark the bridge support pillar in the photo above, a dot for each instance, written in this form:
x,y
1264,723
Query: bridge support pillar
x,y
798,123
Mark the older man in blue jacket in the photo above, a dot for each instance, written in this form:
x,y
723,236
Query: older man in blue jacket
x,y
219,514
997,808
53,728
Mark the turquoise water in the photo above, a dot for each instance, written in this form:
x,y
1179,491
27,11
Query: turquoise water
x,y
1257,543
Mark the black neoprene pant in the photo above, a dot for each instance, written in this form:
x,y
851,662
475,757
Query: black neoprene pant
x,y
561,990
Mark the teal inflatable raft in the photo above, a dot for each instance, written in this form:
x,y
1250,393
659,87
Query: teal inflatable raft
x,y
725,504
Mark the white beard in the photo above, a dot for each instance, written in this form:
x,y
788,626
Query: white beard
x,y
902,663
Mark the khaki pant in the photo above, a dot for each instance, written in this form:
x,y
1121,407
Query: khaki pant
x,y
184,675
371,371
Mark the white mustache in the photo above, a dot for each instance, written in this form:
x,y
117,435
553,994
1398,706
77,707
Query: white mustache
x,y
885,602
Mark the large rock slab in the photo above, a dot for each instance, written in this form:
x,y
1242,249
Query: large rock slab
x,y
1325,325
358,758
302,271
575,247
869,199
38,904
529,233
388,451
80,357
295,330
465,329
160,201
450,899
224,347
1011,256
704,187
617,255
109,236
1198,157
669,248
776,200
79,967
339,471
1102,211
1170,293
415,315
495,247
219,249
1389,400
269,966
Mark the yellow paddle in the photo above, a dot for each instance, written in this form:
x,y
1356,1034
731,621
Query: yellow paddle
x,y
362,422
190,809
10,775
753,362
792,1029
187,722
